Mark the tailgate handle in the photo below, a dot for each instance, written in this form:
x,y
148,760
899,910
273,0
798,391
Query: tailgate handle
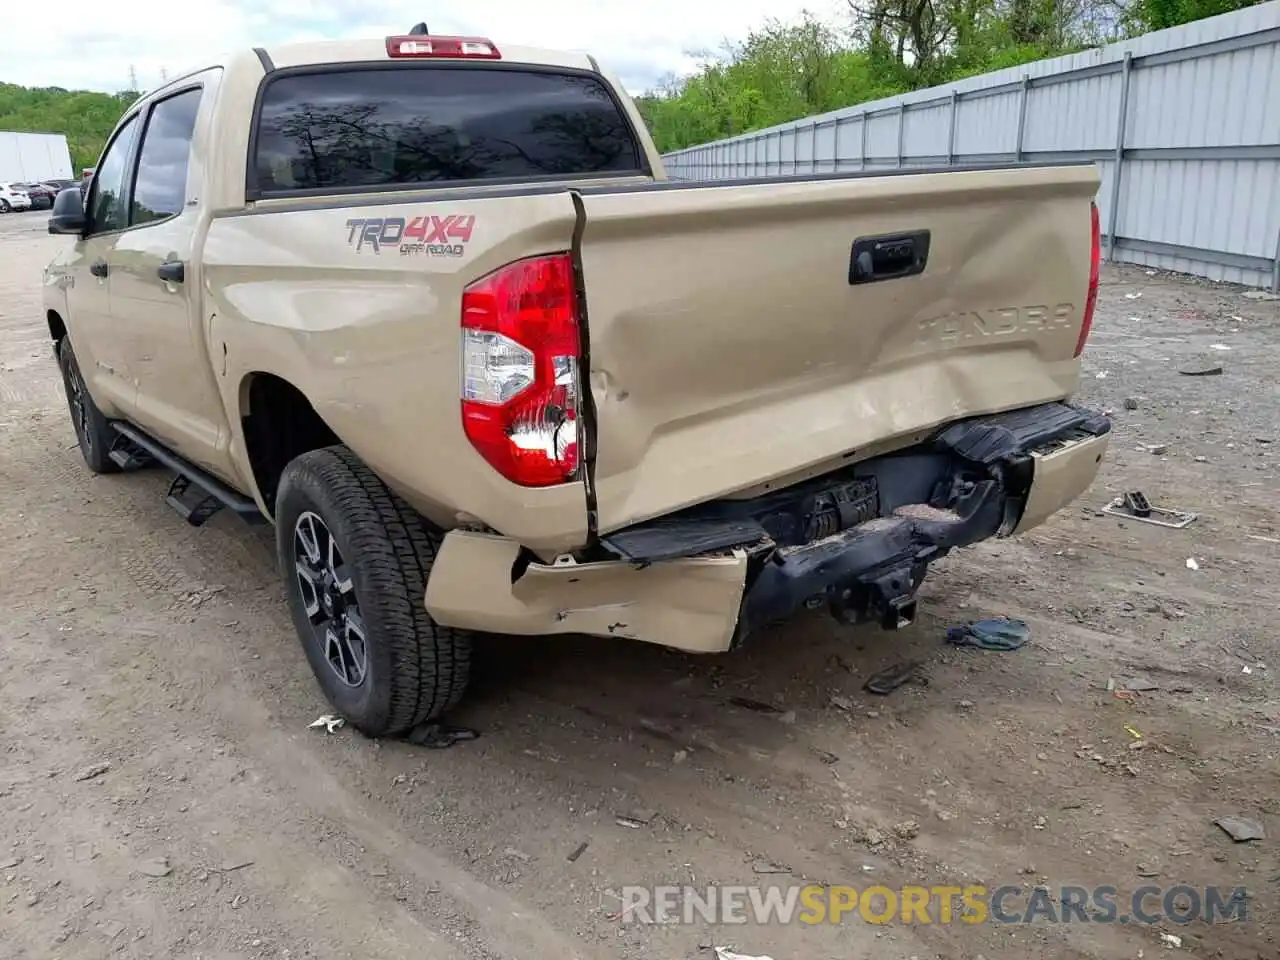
x,y
889,256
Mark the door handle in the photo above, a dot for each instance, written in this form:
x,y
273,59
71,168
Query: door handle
x,y
172,271
98,268
889,257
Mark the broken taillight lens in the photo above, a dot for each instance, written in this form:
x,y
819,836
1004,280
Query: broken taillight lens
x,y
1095,265
520,369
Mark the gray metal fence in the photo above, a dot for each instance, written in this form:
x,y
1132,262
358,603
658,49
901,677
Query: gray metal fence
x,y
1183,123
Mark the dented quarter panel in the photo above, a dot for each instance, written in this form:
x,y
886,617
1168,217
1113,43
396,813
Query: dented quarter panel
x,y
369,333
728,347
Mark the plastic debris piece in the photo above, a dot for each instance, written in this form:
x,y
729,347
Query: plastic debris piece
x,y
1201,368
93,770
724,953
155,867
891,678
1241,829
1140,684
1135,506
1000,633
439,736
1192,564
759,706
329,721
768,866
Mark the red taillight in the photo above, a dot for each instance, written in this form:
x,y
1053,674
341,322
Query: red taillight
x,y
468,48
1091,299
520,359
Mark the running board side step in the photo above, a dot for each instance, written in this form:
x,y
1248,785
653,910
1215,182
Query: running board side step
x,y
128,456
194,494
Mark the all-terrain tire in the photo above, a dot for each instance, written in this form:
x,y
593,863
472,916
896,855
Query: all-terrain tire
x,y
415,669
93,430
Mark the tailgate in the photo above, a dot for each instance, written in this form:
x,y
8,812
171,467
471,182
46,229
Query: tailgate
x,y
731,351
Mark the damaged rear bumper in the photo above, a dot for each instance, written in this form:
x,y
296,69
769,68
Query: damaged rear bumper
x,y
858,541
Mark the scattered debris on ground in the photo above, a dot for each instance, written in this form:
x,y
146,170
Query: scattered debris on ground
x,y
1203,368
891,678
155,867
1134,505
93,771
1241,829
329,722
1002,634
724,953
440,736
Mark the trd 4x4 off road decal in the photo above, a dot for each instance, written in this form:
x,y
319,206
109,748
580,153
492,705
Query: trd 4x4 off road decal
x,y
429,235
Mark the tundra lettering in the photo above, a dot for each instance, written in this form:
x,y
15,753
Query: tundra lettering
x,y
999,322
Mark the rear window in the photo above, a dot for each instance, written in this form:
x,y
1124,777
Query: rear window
x,y
368,128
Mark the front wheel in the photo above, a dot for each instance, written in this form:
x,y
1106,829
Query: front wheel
x,y
4,206
355,559
93,431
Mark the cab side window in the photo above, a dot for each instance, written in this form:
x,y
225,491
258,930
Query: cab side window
x,y
160,187
107,210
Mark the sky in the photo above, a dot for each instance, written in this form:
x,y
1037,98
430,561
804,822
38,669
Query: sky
x,y
91,45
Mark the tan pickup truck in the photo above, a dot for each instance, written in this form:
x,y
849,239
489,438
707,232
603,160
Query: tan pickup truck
x,y
433,308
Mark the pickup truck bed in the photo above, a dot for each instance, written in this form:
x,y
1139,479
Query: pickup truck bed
x,y
727,348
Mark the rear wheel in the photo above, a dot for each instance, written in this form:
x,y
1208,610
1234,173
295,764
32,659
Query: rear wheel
x,y
355,558
4,206
93,431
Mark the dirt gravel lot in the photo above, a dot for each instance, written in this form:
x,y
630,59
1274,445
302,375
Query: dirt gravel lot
x,y
224,828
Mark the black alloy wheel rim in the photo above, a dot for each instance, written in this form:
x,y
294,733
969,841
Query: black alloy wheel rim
x,y
329,599
79,403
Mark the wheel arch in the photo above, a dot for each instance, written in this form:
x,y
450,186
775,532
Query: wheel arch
x,y
57,326
279,423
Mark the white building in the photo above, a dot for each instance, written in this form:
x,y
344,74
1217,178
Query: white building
x,y
27,157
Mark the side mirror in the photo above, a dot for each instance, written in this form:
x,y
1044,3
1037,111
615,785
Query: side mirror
x,y
67,215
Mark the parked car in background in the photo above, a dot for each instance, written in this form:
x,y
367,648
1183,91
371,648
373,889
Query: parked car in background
x,y
13,196
40,194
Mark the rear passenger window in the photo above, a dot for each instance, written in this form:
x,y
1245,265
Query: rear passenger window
x,y
352,128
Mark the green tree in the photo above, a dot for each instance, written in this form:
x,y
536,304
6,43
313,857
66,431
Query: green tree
x,y
1144,15
785,71
85,118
